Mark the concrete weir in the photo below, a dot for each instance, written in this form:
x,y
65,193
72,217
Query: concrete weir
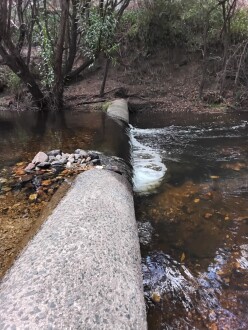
x,y
83,269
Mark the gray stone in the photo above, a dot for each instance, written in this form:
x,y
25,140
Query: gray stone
x,y
54,153
30,167
81,152
57,163
96,162
51,158
58,157
40,157
63,160
44,165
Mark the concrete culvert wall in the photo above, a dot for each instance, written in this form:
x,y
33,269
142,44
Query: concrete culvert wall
x,y
82,270
119,109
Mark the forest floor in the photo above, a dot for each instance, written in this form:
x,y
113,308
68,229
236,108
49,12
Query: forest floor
x,y
160,82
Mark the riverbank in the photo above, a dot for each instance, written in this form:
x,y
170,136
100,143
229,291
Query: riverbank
x,y
167,81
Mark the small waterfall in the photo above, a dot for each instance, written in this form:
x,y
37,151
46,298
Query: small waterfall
x,y
148,168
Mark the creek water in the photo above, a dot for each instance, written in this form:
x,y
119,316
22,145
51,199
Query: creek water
x,y
24,134
191,188
191,200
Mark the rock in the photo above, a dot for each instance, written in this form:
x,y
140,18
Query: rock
x,y
57,163
88,159
58,157
40,157
76,156
65,155
54,153
51,159
93,155
44,165
3,180
68,165
63,160
96,162
81,152
26,178
71,159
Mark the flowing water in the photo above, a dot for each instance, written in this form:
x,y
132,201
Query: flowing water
x,y
191,198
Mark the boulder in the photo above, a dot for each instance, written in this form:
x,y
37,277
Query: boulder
x,y
40,157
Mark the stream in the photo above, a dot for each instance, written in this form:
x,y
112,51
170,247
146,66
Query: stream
x,y
190,175
191,189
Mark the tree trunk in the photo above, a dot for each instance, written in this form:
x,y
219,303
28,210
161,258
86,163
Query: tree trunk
x,y
58,88
105,77
18,66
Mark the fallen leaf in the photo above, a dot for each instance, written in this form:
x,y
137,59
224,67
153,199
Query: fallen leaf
x,y
214,177
183,257
46,183
19,172
196,200
208,215
33,197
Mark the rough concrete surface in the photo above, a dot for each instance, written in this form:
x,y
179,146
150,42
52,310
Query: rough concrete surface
x,y
119,109
82,270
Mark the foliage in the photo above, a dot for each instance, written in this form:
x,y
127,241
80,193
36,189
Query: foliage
x,y
239,26
46,53
181,23
99,33
13,82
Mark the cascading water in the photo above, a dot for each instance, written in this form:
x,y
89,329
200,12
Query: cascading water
x,y
148,168
190,180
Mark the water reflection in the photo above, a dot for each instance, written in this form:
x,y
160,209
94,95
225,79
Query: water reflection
x,y
24,134
197,256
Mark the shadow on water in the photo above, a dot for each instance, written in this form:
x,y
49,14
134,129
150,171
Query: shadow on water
x,y
194,226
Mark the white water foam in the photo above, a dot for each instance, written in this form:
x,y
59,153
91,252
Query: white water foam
x,y
148,168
